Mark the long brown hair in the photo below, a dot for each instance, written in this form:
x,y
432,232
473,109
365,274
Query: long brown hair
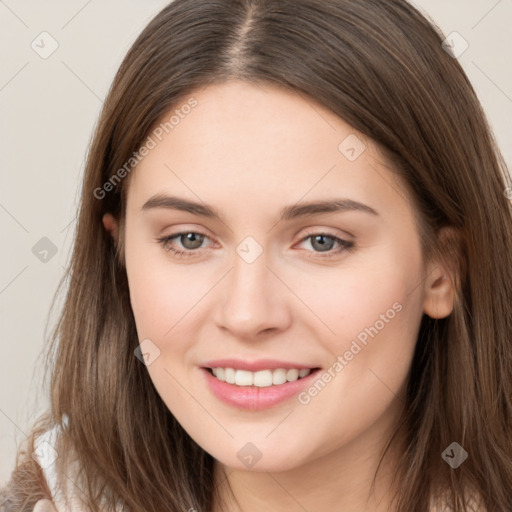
x,y
381,67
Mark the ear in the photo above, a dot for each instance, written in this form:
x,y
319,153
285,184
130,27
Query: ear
x,y
110,224
443,275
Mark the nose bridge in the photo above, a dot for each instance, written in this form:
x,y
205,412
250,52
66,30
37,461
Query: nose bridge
x,y
251,300
249,283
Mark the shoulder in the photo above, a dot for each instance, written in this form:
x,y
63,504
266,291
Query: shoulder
x,y
66,496
45,454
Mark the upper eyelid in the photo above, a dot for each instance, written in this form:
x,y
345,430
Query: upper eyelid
x,y
332,232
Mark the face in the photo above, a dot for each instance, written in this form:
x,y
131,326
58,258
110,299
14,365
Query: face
x,y
254,275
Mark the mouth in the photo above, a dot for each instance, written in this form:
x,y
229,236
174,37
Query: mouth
x,y
259,390
259,379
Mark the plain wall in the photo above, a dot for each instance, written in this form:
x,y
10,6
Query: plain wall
x,y
49,108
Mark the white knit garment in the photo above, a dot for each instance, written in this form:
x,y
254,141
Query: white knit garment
x,y
46,454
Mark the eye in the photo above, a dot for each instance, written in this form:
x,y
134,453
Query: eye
x,y
324,242
190,241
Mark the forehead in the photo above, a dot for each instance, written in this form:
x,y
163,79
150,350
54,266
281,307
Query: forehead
x,y
266,144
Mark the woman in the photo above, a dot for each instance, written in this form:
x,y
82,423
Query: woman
x,y
210,356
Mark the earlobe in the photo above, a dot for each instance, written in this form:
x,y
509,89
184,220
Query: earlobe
x,y
110,224
442,277
439,295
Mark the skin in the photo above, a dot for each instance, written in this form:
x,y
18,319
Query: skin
x,y
250,151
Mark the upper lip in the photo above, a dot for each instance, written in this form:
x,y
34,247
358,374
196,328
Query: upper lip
x,y
254,366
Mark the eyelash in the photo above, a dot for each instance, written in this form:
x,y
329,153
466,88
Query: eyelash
x,y
345,245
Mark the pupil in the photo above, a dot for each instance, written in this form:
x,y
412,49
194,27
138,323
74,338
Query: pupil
x,y
323,244
193,237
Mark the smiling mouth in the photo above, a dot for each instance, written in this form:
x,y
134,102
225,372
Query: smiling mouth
x,y
261,378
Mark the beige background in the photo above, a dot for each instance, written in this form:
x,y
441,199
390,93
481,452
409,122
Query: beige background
x,y
48,108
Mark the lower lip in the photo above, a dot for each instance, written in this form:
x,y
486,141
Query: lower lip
x,y
254,398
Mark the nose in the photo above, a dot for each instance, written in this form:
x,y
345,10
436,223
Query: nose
x,y
254,301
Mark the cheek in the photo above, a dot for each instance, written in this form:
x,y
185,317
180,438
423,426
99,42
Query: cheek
x,y
161,292
353,296
369,310
376,324
163,297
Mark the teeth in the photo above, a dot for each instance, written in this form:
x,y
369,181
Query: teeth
x,y
243,378
262,378
230,375
279,377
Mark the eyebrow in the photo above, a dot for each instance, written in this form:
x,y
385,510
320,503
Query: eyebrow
x,y
304,209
